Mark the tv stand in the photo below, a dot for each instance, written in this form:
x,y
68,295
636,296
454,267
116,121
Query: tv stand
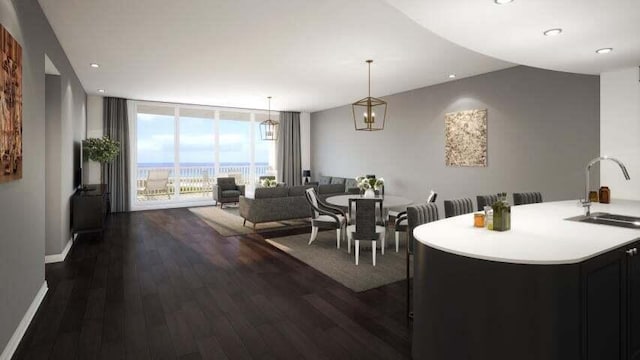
x,y
89,208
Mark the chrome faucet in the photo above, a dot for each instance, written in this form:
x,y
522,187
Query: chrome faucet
x,y
586,203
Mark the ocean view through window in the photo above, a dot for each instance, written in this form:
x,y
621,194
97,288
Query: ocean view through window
x,y
181,149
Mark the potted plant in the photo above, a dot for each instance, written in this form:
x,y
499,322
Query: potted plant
x,y
102,150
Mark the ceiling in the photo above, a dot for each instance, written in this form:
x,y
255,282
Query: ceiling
x,y
514,31
308,54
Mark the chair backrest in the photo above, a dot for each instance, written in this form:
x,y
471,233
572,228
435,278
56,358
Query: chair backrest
x,y
227,183
312,198
485,200
158,174
238,176
527,198
457,207
366,219
418,215
432,197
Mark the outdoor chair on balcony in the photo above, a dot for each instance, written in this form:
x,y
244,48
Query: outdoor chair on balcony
x,y
157,183
226,191
207,186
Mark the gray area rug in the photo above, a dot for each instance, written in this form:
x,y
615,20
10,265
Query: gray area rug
x,y
227,221
339,265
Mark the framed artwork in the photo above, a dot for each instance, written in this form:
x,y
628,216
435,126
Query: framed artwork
x,y
466,138
10,107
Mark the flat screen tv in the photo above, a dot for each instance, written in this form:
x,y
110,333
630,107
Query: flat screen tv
x,y
77,165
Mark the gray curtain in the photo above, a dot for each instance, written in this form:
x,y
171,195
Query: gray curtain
x,y
116,173
288,149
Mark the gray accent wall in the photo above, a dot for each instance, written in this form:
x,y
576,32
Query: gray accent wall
x,y
543,127
23,202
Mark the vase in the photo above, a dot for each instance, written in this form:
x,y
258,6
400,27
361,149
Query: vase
x,y
369,194
501,214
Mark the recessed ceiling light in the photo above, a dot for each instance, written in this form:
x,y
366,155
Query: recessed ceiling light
x,y
100,90
502,2
94,65
452,76
553,32
604,50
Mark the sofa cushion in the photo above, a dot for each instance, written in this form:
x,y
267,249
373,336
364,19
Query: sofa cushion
x,y
337,180
230,193
350,184
274,192
324,180
299,190
331,189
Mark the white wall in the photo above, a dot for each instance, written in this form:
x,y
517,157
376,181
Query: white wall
x,y
620,130
22,216
305,140
91,169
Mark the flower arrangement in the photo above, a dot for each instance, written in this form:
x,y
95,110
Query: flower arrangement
x,y
365,183
269,182
102,150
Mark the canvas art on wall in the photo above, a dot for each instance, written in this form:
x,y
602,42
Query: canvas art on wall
x,y
466,138
10,107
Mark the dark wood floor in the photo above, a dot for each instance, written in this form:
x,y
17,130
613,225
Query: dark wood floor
x,y
163,285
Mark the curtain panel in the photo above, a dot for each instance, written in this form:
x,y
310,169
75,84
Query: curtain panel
x,y
116,173
289,158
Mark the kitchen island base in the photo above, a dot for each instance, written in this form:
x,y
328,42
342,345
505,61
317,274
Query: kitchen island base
x,y
469,308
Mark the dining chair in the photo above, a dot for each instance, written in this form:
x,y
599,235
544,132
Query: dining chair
x,y
485,200
365,227
416,216
527,198
380,220
324,216
401,223
457,207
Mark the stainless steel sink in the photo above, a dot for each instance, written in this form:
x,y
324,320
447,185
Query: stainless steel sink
x,y
609,219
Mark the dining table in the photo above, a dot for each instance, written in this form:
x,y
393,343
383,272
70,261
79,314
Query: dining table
x,y
388,202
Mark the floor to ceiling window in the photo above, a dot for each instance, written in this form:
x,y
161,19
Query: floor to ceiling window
x,y
179,150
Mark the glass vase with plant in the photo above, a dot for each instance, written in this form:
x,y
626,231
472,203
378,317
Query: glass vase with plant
x,y
102,150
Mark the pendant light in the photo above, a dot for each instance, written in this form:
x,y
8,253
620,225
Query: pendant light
x,y
269,128
369,114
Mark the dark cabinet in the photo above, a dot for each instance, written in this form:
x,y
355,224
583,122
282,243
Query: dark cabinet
x,y
611,305
633,301
89,209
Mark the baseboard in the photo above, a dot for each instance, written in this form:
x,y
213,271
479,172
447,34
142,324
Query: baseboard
x,y
48,259
13,343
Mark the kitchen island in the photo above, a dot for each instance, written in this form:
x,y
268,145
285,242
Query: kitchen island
x,y
549,288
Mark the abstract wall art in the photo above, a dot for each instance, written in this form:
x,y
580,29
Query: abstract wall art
x,y
10,107
466,138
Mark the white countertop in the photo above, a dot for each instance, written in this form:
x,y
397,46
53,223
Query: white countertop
x,y
539,234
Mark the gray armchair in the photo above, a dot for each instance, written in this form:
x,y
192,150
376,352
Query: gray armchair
x,y
226,191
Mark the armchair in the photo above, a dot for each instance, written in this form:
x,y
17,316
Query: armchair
x,y
226,191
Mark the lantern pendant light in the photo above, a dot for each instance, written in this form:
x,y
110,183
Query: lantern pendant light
x,y
269,128
364,111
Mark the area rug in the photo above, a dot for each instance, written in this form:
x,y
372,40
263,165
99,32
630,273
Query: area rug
x,y
339,265
227,221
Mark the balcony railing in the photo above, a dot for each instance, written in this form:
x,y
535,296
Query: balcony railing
x,y
194,180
